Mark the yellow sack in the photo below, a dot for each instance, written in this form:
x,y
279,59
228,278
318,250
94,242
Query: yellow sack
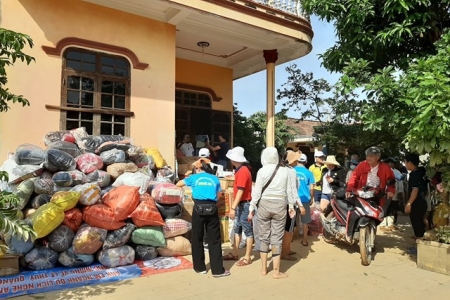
x,y
66,200
441,215
157,157
46,219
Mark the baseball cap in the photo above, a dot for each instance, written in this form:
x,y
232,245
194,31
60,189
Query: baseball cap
x,y
303,158
319,154
203,152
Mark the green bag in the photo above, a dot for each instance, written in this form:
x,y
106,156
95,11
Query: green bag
x,y
150,236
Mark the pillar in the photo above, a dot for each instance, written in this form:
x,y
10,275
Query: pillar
x,y
271,57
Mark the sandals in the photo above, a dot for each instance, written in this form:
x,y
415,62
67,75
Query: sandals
x,y
243,262
230,256
305,244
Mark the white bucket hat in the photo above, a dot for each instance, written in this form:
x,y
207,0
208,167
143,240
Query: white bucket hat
x,y
236,154
331,160
204,152
319,154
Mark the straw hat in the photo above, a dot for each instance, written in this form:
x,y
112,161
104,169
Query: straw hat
x,y
331,160
236,154
293,156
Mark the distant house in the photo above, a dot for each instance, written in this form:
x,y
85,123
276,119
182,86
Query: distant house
x,y
303,139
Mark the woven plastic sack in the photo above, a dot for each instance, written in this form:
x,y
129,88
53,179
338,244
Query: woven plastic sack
x,y
133,179
71,260
157,157
176,227
88,240
168,193
28,154
44,186
66,200
144,252
150,236
101,216
69,178
116,257
61,238
18,173
123,200
46,218
40,200
165,174
73,218
66,147
59,161
90,193
89,162
18,246
170,211
113,156
176,246
115,170
24,191
146,213
118,237
41,258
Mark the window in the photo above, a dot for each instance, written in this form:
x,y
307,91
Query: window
x,y
95,92
191,98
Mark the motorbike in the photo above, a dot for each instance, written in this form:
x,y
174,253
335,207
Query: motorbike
x,y
355,219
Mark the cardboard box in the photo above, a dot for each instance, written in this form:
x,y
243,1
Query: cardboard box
x,y
223,204
9,265
224,233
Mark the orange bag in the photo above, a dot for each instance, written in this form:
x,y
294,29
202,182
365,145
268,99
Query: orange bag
x,y
101,216
147,214
73,219
122,200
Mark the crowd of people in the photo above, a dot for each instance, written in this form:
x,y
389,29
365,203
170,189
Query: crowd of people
x,y
284,188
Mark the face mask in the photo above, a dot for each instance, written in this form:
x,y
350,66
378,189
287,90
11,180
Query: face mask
x,y
352,167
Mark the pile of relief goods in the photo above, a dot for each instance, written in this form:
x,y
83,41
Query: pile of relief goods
x,y
94,198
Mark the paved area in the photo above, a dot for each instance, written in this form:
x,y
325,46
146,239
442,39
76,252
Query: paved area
x,y
322,271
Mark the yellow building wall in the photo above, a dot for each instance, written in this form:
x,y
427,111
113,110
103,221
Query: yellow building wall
x,y
49,21
219,79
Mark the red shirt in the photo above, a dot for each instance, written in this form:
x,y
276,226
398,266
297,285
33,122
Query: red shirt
x,y
243,181
358,179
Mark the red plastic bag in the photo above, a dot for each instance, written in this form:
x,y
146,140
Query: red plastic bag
x,y
122,200
101,216
315,227
147,214
89,162
73,219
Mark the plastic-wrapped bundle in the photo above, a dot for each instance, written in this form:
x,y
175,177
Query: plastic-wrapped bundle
x,y
122,145
46,175
116,257
53,136
150,236
142,160
73,218
123,200
177,246
168,193
44,186
176,227
18,246
146,171
133,179
90,193
40,200
113,156
144,252
89,162
66,147
18,173
106,190
115,170
24,191
41,258
88,240
28,213
146,213
69,178
119,237
28,154
157,158
170,211
91,143
61,238
134,152
69,259
59,161
165,174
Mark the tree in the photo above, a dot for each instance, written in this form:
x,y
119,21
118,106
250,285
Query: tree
x,y
339,115
12,44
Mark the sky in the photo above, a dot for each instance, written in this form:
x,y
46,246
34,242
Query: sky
x,y
250,93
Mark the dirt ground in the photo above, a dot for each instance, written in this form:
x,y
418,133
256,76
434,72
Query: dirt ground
x,y
322,271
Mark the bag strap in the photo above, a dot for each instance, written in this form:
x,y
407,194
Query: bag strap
x,y
270,179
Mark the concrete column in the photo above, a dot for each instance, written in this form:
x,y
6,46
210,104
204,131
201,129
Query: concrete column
x,y
271,57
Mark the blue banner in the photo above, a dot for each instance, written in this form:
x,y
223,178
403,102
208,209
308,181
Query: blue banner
x,y
33,282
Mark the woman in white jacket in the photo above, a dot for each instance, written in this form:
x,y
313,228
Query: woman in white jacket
x,y
272,207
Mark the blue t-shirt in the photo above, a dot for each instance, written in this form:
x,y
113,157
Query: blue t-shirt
x,y
305,178
204,186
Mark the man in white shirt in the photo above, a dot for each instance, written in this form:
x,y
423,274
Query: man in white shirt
x,y
187,147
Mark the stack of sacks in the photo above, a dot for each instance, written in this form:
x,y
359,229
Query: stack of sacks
x,y
87,197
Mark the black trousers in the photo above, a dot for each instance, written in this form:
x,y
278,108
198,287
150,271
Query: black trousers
x,y
418,210
211,225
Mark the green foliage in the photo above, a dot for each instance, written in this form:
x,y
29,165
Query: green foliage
x,y
11,45
443,233
10,222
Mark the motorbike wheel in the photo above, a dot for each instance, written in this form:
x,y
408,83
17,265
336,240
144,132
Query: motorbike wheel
x,y
328,237
365,242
